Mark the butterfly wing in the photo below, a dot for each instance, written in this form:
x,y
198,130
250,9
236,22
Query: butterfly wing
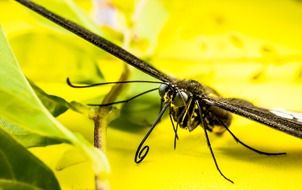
x,y
288,122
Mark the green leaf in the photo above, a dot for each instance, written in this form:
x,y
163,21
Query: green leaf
x,y
70,57
142,111
21,107
55,105
19,168
69,9
26,137
13,185
143,23
49,46
147,25
69,158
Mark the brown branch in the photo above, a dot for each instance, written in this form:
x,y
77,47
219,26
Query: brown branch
x,y
100,119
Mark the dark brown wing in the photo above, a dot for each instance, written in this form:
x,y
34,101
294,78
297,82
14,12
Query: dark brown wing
x,y
97,40
261,115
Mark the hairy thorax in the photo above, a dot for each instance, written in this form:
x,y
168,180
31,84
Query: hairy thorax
x,y
188,115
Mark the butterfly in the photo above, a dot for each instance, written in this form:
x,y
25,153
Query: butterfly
x,y
190,104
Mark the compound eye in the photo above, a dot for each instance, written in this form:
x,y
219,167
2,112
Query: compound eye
x,y
180,99
163,88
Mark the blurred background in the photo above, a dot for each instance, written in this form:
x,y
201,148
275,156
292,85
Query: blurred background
x,y
243,49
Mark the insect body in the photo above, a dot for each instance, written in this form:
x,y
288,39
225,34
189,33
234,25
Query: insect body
x,y
189,102
183,98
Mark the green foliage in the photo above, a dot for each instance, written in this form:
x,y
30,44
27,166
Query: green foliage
x,y
19,169
22,109
49,46
55,105
26,137
19,104
133,114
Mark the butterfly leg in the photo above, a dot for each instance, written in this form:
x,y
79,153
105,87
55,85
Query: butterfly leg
x,y
251,148
205,126
175,131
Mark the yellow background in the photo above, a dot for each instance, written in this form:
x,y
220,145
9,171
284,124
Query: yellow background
x,y
245,49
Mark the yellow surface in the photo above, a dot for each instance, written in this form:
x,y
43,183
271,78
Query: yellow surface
x,y
191,165
224,44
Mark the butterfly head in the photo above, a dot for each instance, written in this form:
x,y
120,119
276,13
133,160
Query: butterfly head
x,y
177,97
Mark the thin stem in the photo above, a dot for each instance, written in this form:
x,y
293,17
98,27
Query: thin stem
x,y
99,119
